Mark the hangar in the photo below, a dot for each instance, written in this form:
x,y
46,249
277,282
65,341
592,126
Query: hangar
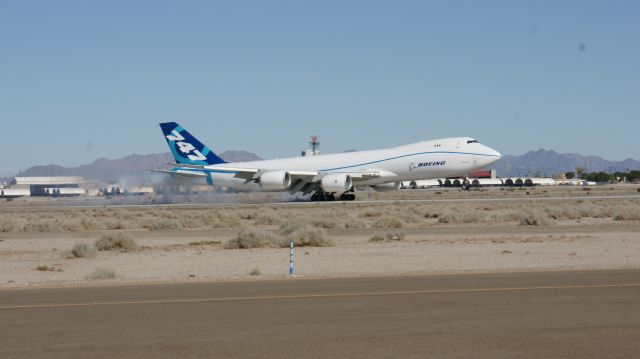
x,y
59,186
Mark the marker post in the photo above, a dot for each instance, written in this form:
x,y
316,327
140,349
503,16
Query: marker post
x,y
290,257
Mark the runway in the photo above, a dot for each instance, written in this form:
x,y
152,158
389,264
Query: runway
x,y
523,315
228,202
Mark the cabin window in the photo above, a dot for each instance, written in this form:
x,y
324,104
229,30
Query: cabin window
x,y
472,141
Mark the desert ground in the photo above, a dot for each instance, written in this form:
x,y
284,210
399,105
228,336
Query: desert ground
x,y
77,242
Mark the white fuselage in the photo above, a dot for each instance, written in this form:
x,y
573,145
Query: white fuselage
x,y
422,160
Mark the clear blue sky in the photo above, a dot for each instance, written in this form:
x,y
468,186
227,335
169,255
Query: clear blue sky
x,y
81,80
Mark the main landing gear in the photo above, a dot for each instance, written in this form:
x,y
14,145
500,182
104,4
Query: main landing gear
x,y
466,185
330,196
348,197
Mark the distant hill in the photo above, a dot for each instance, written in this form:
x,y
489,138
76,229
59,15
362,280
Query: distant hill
x,y
548,162
132,168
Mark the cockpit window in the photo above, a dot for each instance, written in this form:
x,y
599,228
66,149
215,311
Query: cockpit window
x,y
472,141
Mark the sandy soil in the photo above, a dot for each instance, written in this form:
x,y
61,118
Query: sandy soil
x,y
438,237
170,257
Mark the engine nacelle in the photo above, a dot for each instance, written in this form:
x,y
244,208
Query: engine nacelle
x,y
336,183
391,186
275,180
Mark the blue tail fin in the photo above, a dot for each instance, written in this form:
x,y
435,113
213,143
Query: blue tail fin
x,y
185,148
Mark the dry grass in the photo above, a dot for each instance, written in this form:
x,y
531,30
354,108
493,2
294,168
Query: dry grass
x,y
393,215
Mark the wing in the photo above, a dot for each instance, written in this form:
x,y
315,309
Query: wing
x,y
254,173
301,181
182,172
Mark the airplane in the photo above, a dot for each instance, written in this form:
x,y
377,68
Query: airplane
x,y
331,176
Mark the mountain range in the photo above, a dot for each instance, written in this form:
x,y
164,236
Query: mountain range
x,y
548,162
133,168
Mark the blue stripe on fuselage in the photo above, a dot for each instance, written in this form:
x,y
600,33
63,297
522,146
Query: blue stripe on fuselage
x,y
409,155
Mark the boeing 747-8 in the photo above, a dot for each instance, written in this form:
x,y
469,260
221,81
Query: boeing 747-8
x,y
331,176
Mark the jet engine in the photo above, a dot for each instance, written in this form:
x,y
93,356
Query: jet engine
x,y
336,183
275,180
390,186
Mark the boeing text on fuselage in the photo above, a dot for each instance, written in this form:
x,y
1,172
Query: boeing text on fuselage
x,y
413,166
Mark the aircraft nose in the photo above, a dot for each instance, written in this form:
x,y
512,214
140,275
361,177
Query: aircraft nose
x,y
491,152
492,156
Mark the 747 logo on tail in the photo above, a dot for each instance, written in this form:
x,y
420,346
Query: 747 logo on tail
x,y
185,147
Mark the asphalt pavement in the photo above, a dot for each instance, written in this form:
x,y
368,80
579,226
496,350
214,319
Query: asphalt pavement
x,y
508,315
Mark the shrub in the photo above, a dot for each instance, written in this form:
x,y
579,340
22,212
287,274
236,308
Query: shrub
x,y
247,238
82,249
71,226
461,217
323,222
391,236
533,220
102,273
115,225
7,226
300,235
354,224
371,213
90,224
248,215
396,236
255,271
116,241
306,236
165,225
267,218
389,222
42,226
45,268
627,214
203,243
